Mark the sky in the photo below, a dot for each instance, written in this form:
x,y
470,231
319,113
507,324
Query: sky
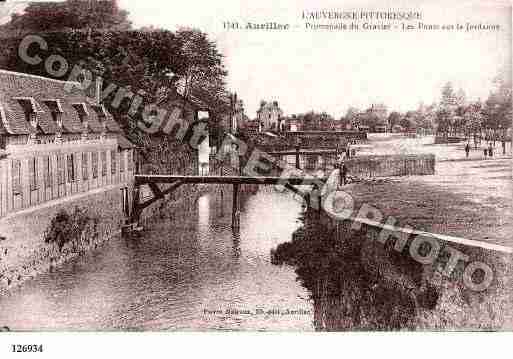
x,y
329,71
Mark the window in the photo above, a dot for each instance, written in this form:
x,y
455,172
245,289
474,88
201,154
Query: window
x,y
104,163
85,174
32,166
55,109
61,174
113,161
71,168
122,161
30,108
16,177
47,171
94,162
130,164
81,110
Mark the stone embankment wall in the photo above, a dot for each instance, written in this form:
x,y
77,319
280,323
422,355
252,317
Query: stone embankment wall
x,y
23,251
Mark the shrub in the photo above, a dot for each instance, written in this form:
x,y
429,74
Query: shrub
x,y
65,227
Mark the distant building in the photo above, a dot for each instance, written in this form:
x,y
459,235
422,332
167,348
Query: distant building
x,y
239,117
252,127
55,142
270,115
379,110
292,124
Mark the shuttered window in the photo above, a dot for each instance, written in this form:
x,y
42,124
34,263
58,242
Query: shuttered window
x,y
47,171
61,174
32,166
122,161
85,163
129,160
71,168
104,163
16,176
113,161
94,162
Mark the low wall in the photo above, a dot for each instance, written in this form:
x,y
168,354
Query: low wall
x,y
360,280
391,165
23,251
450,139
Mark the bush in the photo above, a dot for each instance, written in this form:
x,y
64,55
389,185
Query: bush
x,y
65,228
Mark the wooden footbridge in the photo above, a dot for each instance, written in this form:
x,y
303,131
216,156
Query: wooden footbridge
x,y
297,152
154,182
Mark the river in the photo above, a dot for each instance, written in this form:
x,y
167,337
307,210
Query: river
x,y
184,273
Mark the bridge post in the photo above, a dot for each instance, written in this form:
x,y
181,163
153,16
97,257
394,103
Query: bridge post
x,y
241,167
297,158
235,207
136,212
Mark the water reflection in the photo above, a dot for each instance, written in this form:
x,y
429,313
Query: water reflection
x,y
175,276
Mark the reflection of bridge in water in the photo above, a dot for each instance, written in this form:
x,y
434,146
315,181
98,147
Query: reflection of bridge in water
x,y
155,181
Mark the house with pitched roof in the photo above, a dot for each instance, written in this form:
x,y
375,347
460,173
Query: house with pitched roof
x,y
57,142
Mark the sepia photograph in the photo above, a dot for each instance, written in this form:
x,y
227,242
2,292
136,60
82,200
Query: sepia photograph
x,y
273,166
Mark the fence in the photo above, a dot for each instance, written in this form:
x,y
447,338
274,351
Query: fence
x,y
391,165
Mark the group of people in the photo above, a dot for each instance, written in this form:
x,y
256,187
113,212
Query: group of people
x,y
488,152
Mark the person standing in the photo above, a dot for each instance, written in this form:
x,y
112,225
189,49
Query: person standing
x,y
485,151
343,173
490,150
467,149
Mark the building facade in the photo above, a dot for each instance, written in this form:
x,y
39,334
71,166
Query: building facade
x,y
270,116
57,142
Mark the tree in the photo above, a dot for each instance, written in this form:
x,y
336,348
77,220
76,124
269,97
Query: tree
x,y
443,121
497,109
409,120
42,17
448,105
473,119
203,63
204,74
369,119
93,34
448,100
460,98
393,119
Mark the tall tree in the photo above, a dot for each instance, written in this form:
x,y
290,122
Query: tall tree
x,y
42,17
448,104
393,119
204,62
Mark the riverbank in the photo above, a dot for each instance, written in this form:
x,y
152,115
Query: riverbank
x,y
359,283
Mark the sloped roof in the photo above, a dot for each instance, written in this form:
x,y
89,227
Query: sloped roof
x,y
124,143
43,91
171,95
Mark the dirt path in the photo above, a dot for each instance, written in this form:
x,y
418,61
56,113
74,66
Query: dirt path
x,y
465,198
